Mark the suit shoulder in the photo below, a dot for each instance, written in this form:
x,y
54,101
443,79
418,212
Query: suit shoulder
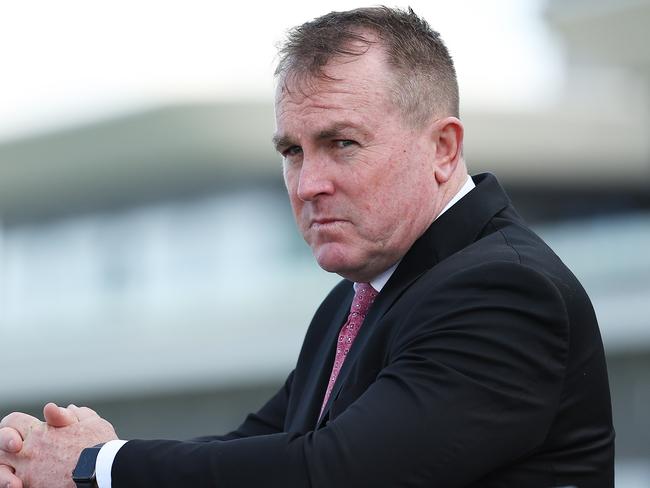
x,y
495,277
510,241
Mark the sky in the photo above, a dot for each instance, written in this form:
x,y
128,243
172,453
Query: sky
x,y
74,61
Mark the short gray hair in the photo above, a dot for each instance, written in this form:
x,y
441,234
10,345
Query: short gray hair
x,y
425,82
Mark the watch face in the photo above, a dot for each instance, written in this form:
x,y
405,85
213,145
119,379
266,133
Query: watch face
x,y
85,469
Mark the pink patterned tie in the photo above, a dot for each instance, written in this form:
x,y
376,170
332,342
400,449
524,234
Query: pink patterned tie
x,y
364,295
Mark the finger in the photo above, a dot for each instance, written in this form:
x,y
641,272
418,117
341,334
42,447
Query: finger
x,y
10,440
22,422
58,416
83,413
8,479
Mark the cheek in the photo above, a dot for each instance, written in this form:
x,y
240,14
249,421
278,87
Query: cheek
x,y
296,207
299,214
403,190
291,184
288,177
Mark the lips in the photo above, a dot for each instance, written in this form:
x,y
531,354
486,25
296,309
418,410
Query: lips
x,y
325,223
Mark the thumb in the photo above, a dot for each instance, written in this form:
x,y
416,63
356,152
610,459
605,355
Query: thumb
x,y
58,416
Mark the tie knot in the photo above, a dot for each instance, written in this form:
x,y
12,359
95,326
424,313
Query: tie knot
x,y
364,295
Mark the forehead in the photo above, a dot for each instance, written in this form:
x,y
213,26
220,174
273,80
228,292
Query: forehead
x,y
355,88
367,59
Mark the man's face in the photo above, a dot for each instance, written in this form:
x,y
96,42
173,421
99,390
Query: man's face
x,y
360,180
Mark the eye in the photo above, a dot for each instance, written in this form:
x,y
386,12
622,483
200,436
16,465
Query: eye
x,y
292,151
343,143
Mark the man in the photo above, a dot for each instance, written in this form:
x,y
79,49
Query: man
x,y
471,355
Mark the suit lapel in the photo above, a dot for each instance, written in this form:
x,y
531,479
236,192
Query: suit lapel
x,y
397,284
321,366
416,262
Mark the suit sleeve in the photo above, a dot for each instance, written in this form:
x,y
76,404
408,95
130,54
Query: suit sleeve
x,y
471,382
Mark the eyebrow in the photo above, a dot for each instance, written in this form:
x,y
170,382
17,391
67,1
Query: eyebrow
x,y
280,142
335,130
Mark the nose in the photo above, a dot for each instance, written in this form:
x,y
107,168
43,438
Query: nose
x,y
314,180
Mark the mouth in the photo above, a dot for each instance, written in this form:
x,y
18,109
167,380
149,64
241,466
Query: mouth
x,y
326,223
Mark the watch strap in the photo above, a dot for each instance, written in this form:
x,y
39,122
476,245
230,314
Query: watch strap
x,y
84,472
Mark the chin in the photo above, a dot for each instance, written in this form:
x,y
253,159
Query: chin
x,y
332,258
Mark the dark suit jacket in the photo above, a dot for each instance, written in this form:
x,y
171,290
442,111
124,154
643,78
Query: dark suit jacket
x,y
480,364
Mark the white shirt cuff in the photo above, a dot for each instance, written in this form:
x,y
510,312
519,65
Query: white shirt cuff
x,y
104,463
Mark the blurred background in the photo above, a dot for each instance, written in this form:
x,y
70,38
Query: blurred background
x,y
149,266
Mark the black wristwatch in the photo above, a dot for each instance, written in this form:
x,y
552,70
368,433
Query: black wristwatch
x,y
84,473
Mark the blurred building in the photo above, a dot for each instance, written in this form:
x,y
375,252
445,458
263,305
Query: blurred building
x,y
149,265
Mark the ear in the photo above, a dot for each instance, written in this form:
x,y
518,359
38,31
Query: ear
x,y
448,137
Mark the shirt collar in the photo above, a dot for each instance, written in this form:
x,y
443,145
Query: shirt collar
x,y
464,190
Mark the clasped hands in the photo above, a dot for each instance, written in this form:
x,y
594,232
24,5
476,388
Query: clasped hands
x,y
35,454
